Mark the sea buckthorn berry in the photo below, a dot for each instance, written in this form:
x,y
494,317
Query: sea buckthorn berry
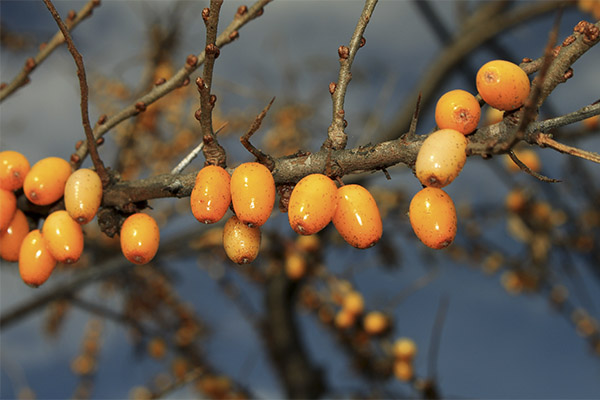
x,y
357,217
13,169
12,237
35,261
441,158
527,156
404,349
433,217
139,237
63,237
493,116
353,302
211,194
295,266
403,370
459,110
8,206
83,195
252,193
241,242
312,204
344,319
375,323
503,85
45,182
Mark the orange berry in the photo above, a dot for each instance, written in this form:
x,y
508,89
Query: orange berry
x,y
375,323
353,302
527,156
458,110
211,195
344,319
83,195
493,116
12,237
63,237
35,261
139,237
157,348
295,266
241,242
357,217
433,217
8,206
312,204
592,122
252,193
403,370
404,349
516,200
441,158
503,85
13,169
45,182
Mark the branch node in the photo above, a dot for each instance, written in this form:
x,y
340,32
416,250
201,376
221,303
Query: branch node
x,y
332,87
343,52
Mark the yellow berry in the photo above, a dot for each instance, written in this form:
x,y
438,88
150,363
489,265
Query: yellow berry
x,y
433,217
353,303
13,169
252,193
83,195
403,370
35,261
8,206
459,110
441,158
12,237
45,182
241,242
503,85
357,217
375,323
63,237
211,195
140,238
344,319
295,266
404,349
493,116
312,204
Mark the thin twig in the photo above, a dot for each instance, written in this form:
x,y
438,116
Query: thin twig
x,y
567,119
85,118
263,158
546,140
436,336
193,154
45,50
336,137
413,123
528,170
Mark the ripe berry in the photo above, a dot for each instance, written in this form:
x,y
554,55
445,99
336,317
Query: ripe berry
x,y
13,169
493,116
8,202
503,85
375,323
12,237
433,217
353,303
404,349
45,182
63,237
252,193
441,158
83,195
458,110
241,242
211,195
357,217
35,261
403,370
295,266
139,237
344,319
312,204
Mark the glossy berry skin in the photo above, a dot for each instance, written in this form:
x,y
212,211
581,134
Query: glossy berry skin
x,y
45,182
458,110
252,193
8,206
63,237
140,238
12,237
357,217
211,194
83,195
13,169
35,261
433,217
240,241
503,85
312,204
441,158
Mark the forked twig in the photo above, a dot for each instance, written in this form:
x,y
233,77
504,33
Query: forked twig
x,y
263,158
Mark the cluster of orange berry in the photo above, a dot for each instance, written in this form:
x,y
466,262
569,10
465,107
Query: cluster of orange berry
x,y
314,203
61,237
503,86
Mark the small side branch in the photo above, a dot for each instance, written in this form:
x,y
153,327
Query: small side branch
x,y
546,141
528,170
263,158
85,118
